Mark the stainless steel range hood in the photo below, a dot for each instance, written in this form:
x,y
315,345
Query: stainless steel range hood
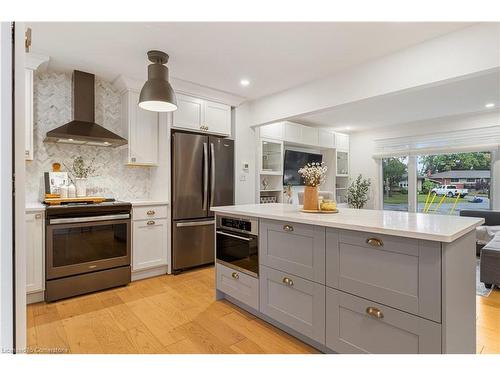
x,y
83,130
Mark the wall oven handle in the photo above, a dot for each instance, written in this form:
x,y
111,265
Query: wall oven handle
x,y
205,176
212,177
234,236
70,220
195,223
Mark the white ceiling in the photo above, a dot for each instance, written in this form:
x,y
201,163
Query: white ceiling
x,y
273,56
468,95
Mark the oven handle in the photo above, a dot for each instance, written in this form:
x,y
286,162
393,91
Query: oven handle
x,y
234,236
88,218
195,223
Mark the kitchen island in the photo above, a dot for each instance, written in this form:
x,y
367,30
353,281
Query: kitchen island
x,y
359,281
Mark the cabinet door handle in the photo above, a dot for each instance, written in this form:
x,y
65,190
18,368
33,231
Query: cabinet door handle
x,y
373,311
235,275
151,222
150,212
26,153
374,242
287,228
288,281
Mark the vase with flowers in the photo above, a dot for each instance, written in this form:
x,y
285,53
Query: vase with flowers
x,y
314,175
81,171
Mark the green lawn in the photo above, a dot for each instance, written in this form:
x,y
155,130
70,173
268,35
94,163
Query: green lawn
x,y
403,198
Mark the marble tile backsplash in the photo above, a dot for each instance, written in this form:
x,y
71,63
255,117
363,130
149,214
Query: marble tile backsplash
x,y
52,108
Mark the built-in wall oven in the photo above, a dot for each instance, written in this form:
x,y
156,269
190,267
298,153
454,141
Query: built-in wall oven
x,y
87,248
237,244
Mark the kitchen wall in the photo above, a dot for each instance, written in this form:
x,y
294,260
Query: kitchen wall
x,y
52,108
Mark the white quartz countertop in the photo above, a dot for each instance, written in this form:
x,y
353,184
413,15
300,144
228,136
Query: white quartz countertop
x,y
34,207
148,203
433,227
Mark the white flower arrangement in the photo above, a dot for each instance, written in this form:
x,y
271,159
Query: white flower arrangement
x,y
313,173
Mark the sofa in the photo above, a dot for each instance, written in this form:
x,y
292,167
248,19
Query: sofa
x,y
490,252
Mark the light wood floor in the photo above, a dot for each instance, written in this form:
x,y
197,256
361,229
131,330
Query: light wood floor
x,y
165,314
179,314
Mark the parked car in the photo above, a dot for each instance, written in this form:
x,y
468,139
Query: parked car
x,y
450,191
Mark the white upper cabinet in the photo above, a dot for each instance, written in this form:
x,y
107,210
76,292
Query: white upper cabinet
x,y
326,138
272,131
142,131
202,115
310,135
217,118
32,62
342,141
293,132
189,113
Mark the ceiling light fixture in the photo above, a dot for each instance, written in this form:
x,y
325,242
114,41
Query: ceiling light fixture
x,y
157,95
244,82
490,105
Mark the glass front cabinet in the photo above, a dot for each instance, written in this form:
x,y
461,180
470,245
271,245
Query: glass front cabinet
x,y
271,159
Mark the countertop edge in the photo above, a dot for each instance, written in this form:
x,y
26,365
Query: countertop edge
x,y
362,228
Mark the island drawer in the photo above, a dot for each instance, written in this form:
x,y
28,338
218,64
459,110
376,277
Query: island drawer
x,y
149,212
395,271
357,325
293,301
238,285
297,249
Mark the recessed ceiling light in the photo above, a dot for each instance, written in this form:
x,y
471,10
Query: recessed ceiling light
x,y
490,105
347,128
244,82
71,139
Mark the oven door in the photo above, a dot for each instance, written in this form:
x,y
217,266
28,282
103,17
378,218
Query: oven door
x,y
77,248
238,251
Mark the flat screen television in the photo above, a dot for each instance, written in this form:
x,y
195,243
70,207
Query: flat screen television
x,y
294,160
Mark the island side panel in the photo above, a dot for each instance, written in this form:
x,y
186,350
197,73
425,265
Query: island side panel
x,y
459,295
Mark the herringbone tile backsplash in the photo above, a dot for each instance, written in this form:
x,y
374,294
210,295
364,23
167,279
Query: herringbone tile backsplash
x,y
52,108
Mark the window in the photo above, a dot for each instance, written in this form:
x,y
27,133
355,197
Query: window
x,y
450,199
395,181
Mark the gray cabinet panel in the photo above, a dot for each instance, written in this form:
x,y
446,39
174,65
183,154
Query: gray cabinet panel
x,y
299,304
295,248
350,329
238,285
398,272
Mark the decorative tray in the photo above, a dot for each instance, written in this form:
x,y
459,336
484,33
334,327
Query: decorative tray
x,y
320,211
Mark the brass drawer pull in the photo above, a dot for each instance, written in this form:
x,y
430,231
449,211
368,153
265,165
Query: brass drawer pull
x,y
287,281
374,242
235,276
287,228
373,311
151,222
150,212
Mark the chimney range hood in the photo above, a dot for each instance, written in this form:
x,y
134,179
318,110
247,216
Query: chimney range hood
x,y
83,130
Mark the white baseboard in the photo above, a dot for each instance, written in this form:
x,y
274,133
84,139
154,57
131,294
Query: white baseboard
x,y
35,297
151,272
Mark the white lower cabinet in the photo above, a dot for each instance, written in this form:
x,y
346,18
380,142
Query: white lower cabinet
x,y
357,325
150,239
238,285
35,252
150,244
295,302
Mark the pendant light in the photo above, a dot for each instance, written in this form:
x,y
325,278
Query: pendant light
x,y
157,95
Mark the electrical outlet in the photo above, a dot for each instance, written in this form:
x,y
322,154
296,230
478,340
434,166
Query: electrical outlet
x,y
243,177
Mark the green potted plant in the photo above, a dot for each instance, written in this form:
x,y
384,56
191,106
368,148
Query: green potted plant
x,y
81,171
357,193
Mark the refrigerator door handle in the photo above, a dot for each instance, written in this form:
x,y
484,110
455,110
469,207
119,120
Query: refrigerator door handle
x,y
212,177
205,176
195,223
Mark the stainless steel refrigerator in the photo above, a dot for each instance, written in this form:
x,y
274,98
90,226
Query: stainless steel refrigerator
x,y
202,177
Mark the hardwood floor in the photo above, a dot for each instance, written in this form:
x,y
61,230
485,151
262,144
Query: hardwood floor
x,y
179,314
165,314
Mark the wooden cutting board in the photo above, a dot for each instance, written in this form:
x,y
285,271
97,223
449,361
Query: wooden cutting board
x,y
58,201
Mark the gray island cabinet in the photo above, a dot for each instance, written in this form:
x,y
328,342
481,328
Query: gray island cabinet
x,y
361,281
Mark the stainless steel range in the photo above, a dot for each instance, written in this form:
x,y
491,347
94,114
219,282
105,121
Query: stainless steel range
x,y
87,248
